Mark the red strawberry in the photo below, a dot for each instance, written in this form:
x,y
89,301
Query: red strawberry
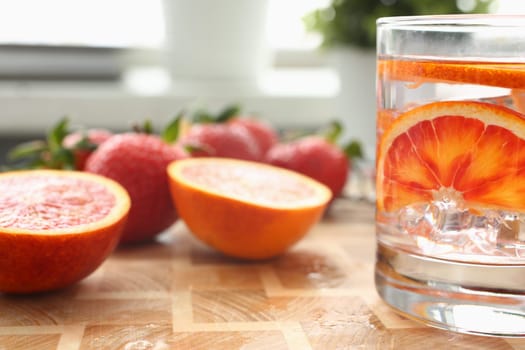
x,y
313,156
84,143
220,140
138,162
263,133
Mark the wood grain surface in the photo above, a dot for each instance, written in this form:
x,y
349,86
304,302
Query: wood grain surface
x,y
178,294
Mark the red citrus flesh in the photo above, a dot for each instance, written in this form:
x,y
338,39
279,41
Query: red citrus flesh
x,y
453,150
53,203
56,227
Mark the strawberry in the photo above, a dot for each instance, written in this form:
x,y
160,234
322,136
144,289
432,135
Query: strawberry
x,y
84,143
318,157
138,162
220,140
263,133
315,157
218,135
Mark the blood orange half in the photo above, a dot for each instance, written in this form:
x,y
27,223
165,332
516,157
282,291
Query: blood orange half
x,y
472,152
56,227
245,209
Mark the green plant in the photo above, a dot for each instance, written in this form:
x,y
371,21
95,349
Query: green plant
x,y
353,22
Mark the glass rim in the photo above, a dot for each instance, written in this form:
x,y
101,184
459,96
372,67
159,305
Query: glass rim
x,y
470,20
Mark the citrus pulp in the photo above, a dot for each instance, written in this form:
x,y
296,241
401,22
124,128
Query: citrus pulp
x,y
56,227
466,151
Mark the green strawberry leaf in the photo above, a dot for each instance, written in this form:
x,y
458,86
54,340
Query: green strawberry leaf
x,y
85,144
57,134
145,128
27,150
190,148
171,132
62,158
48,153
227,113
333,131
202,116
353,150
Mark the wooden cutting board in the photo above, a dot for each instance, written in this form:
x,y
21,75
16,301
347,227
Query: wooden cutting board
x,y
178,294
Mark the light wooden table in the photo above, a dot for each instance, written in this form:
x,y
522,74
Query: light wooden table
x,y
178,294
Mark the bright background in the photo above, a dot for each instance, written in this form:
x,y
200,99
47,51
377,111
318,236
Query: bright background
x,y
297,92
141,23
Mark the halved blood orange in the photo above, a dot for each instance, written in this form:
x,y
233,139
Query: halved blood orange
x,y
56,227
453,150
505,75
245,209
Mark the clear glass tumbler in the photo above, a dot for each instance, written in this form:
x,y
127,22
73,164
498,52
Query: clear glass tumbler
x,y
451,171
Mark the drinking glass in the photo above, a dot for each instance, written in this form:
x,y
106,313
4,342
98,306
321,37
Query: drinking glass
x,y
451,171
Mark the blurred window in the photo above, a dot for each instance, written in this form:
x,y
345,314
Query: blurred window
x,y
139,24
122,23
95,23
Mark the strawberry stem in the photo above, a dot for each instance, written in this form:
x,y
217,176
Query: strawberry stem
x,y
202,116
191,148
57,134
48,153
227,113
27,149
353,150
333,131
172,131
84,144
145,128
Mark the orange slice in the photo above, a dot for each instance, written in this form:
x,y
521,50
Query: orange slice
x,y
505,75
245,209
472,152
518,99
56,227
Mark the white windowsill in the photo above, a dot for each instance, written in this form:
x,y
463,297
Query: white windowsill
x,y
286,98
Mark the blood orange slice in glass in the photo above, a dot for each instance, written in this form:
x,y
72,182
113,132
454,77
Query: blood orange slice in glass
x,y
518,99
56,227
469,152
245,209
505,75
